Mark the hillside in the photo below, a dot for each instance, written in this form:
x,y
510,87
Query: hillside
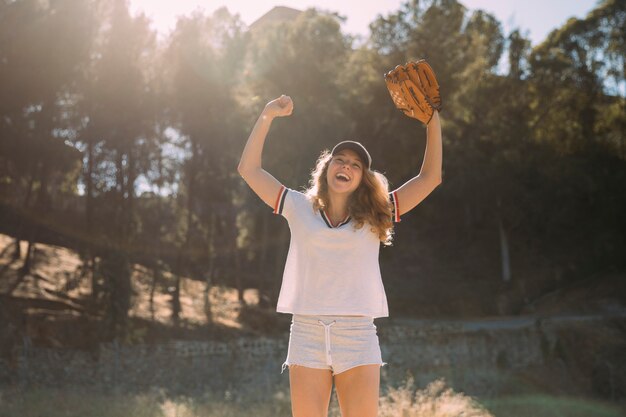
x,y
52,305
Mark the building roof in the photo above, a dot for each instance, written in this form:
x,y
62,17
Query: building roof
x,y
276,15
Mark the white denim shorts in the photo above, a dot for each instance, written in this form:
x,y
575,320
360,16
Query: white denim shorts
x,y
337,343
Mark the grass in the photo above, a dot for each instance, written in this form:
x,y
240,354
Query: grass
x,y
436,400
83,402
551,406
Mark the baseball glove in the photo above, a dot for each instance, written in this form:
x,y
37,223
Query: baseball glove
x,y
414,90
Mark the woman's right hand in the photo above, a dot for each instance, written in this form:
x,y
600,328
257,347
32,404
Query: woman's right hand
x,y
282,106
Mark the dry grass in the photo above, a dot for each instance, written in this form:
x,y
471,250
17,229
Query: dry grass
x,y
57,270
224,303
436,400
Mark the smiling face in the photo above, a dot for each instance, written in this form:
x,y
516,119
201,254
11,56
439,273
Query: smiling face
x,y
345,171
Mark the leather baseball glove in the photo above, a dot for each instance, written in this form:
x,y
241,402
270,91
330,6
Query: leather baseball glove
x,y
414,90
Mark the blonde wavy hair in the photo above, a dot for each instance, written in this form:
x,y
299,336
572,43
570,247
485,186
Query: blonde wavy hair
x,y
369,203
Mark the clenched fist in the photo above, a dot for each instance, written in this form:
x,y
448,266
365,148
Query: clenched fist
x,y
282,106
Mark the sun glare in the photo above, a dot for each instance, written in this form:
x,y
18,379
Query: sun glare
x,y
164,13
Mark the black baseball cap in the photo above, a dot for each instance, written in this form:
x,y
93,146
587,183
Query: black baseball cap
x,y
356,147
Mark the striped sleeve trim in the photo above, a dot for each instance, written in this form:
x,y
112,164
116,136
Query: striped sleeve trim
x,y
396,207
280,200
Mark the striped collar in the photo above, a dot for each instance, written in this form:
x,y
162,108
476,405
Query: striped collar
x,y
326,219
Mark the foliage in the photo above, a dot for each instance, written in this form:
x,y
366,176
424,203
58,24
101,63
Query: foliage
x,y
535,153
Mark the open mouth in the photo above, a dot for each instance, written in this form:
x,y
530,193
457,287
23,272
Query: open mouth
x,y
342,177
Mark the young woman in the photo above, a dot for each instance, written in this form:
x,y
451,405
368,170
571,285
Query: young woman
x,y
331,283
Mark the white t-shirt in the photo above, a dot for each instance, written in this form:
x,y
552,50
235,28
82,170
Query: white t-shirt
x,y
330,269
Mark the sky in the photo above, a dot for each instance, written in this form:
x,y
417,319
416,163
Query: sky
x,y
536,18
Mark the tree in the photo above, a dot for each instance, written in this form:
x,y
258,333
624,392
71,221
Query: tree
x,y
44,45
203,56
116,110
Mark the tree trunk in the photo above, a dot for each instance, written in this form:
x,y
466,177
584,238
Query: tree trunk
x,y
130,196
116,265
176,306
25,269
89,219
89,188
504,249
20,228
41,206
238,272
156,274
119,210
191,188
17,252
208,276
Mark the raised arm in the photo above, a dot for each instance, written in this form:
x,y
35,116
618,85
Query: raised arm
x,y
261,181
411,193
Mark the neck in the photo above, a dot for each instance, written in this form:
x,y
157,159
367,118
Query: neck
x,y
338,206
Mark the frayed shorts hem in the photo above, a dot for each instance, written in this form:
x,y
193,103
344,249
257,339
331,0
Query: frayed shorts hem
x,y
335,371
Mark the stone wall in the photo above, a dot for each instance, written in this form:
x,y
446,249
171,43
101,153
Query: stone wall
x,y
459,350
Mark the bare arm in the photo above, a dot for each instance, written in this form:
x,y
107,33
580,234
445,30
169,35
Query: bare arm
x,y
416,189
261,181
